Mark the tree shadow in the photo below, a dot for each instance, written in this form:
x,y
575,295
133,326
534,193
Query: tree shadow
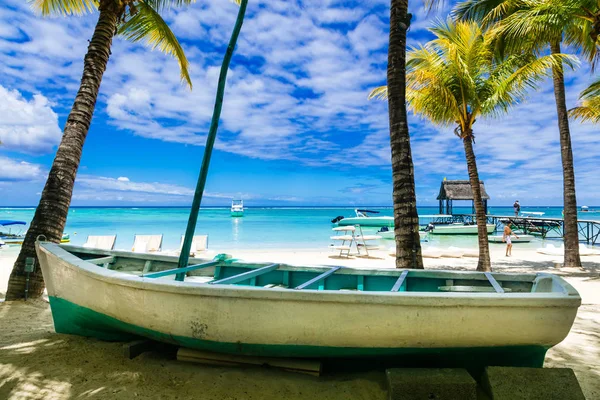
x,y
36,363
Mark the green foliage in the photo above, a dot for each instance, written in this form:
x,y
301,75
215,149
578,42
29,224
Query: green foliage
x,y
589,108
530,25
147,25
456,78
139,21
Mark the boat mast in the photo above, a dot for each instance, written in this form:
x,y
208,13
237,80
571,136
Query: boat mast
x,y
210,141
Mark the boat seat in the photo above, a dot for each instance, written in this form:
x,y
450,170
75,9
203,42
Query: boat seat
x,y
275,285
484,289
198,279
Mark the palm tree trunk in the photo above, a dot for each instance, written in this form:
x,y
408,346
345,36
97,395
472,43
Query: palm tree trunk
x,y
51,214
406,219
484,263
570,228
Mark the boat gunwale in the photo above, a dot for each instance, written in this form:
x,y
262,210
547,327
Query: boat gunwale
x,y
415,273
568,298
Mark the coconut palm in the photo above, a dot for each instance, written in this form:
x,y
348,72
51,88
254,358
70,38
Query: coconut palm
x,y
406,219
589,108
536,25
134,20
454,79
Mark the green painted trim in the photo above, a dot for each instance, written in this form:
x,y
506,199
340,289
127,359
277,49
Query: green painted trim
x,y
70,318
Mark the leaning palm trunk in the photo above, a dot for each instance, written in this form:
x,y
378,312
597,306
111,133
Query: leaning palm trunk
x,y
406,219
571,231
51,214
484,249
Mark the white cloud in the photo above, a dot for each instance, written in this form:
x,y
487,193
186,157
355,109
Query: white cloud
x,y
29,126
123,179
121,184
296,91
12,170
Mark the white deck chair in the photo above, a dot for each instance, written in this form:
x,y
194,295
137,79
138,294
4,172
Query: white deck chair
x,y
199,244
101,242
147,243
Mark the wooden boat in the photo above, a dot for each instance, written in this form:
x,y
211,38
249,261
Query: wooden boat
x,y
459,229
225,305
363,218
520,239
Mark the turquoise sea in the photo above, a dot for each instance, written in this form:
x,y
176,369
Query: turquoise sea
x,y
261,227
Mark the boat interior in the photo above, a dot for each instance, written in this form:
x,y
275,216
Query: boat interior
x,y
225,270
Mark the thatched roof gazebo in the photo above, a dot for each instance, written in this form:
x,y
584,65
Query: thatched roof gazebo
x,y
459,190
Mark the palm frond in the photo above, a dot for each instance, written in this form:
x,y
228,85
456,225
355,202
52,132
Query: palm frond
x,y
589,108
379,93
517,76
64,7
162,5
147,25
588,111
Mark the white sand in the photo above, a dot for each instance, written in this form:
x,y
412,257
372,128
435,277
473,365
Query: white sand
x,y
36,363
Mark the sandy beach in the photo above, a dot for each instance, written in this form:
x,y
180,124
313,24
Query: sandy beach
x,y
36,363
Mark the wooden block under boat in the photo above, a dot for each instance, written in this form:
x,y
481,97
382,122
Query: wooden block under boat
x,y
303,366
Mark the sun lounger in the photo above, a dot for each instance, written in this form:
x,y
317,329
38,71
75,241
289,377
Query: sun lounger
x,y
147,243
199,244
101,242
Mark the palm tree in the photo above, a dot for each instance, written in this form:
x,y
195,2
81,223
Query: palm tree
x,y
406,218
454,79
535,25
136,21
589,108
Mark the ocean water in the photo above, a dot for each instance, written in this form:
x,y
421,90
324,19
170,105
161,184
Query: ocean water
x,y
260,228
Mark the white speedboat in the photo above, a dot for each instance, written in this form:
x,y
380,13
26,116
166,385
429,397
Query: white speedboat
x,y
532,213
364,218
519,239
389,234
237,208
459,228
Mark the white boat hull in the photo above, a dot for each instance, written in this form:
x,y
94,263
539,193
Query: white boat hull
x,y
460,229
367,221
520,239
92,301
389,235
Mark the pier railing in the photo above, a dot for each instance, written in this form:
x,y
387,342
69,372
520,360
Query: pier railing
x,y
589,230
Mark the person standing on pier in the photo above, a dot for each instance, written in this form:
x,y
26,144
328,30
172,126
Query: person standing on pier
x,y
517,208
506,238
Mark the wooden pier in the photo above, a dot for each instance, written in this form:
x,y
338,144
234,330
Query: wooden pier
x,y
546,228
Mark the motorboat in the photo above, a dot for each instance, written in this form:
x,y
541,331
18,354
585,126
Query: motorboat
x,y
8,235
237,208
365,218
388,234
458,228
520,238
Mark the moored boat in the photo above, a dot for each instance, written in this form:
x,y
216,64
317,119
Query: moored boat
x,y
389,234
459,229
7,235
364,218
237,208
225,305
521,238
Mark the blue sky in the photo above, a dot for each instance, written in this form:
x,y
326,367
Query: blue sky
x,y
296,129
